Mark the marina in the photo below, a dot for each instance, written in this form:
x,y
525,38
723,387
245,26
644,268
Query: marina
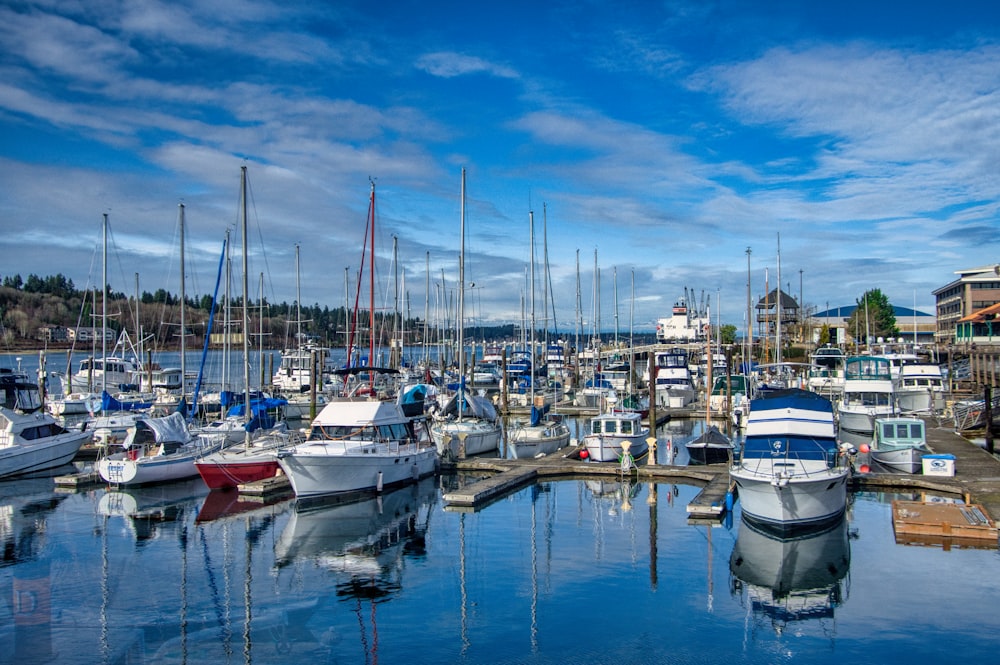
x,y
495,558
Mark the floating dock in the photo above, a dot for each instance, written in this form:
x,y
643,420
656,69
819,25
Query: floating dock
x,y
946,524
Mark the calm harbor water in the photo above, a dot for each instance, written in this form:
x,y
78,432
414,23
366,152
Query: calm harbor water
x,y
563,572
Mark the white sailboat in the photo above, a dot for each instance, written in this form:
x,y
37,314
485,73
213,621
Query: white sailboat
x,y
161,449
541,435
468,424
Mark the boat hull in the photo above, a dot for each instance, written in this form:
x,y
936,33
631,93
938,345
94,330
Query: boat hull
x,y
321,469
700,454
528,442
786,503
601,448
907,460
458,439
119,470
220,471
41,454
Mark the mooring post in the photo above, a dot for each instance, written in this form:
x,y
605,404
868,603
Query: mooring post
x,y
988,410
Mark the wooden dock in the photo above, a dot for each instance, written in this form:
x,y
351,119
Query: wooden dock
x,y
715,498
943,523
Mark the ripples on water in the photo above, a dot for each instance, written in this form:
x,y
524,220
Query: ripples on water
x,y
563,572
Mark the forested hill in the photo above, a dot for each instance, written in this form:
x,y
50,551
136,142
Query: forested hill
x,y
27,306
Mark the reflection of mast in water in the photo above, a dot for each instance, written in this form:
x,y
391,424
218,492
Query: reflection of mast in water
x,y
183,543
105,646
461,577
653,517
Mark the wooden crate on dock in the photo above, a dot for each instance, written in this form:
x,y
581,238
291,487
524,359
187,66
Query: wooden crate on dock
x,y
943,524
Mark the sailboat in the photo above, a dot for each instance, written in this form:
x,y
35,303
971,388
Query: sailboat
x,y
712,446
360,445
468,424
537,437
159,449
252,458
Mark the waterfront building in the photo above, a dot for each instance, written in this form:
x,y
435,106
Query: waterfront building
x,y
975,289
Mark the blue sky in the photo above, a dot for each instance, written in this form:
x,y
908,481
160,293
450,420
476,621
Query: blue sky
x,y
666,137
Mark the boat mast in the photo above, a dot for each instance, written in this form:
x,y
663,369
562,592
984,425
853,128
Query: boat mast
x,y
777,330
180,216
298,305
461,308
246,309
748,341
371,290
531,271
427,301
104,310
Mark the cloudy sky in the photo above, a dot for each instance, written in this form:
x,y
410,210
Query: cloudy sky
x,y
662,138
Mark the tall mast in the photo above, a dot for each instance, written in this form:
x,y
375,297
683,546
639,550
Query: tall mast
x,y
461,308
545,280
749,336
104,309
246,308
579,306
371,288
180,217
298,302
531,271
777,330
427,300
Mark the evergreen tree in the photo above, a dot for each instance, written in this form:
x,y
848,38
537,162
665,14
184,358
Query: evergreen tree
x,y
874,316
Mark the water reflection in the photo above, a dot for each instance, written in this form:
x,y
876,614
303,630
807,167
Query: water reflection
x,y
155,510
786,580
363,539
25,505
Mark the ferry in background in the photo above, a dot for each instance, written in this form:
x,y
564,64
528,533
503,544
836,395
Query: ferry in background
x,y
683,325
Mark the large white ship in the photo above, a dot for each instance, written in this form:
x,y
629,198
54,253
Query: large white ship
x,y
684,325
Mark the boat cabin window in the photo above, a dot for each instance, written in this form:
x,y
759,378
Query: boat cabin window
x,y
332,432
41,432
394,431
609,427
627,427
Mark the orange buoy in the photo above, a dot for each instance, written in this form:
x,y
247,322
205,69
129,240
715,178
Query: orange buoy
x,y
863,448
864,469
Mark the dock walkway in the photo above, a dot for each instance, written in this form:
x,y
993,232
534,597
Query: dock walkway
x,y
976,479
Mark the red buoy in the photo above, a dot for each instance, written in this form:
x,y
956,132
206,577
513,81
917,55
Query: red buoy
x,y
584,454
864,469
864,448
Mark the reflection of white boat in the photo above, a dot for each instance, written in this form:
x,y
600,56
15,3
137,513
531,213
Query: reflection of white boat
x,y
30,438
900,443
793,579
357,537
789,475
148,509
359,446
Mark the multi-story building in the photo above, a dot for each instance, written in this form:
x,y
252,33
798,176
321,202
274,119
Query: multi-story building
x,y
974,290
